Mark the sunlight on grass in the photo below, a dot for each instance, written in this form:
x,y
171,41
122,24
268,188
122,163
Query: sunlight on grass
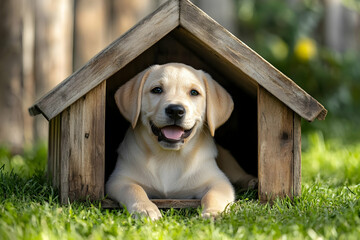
x,y
34,159
331,161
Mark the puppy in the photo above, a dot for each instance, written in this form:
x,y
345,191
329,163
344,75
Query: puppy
x,y
169,152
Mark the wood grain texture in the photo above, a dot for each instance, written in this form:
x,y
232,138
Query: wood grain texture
x,y
227,45
160,203
110,60
50,157
276,144
58,151
65,156
83,147
53,167
297,155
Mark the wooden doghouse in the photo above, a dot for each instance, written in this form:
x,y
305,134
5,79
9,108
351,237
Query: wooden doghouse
x,y
263,133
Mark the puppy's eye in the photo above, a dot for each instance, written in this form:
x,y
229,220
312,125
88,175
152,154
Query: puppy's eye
x,y
157,90
194,93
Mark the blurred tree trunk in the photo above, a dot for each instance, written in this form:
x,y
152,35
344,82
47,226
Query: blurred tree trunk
x,y
89,30
224,12
97,23
11,85
124,14
341,26
28,42
53,50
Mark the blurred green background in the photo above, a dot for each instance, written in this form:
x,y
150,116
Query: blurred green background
x,y
294,37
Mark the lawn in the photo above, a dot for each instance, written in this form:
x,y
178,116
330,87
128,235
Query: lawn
x,y
329,207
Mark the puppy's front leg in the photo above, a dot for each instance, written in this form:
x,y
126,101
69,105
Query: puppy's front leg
x,y
217,198
134,197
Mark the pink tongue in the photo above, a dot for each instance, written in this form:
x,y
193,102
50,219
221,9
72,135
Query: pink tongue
x,y
172,132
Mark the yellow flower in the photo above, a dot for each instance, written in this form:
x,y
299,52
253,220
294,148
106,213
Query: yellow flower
x,y
305,49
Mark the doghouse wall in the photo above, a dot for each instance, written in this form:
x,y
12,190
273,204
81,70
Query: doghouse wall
x,y
238,134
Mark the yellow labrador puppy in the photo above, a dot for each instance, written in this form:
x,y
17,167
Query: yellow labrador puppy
x,y
169,152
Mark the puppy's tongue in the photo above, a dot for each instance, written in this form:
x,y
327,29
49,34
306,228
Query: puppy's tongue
x,y
172,132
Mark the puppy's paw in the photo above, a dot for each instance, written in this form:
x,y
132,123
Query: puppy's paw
x,y
145,209
248,182
211,213
253,183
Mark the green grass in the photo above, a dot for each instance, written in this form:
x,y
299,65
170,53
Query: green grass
x,y
33,160
329,207
331,161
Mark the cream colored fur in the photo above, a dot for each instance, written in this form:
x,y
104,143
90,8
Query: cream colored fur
x,y
147,168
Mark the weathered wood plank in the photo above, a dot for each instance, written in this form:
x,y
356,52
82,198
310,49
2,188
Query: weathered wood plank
x,y
53,168
65,156
110,60
85,153
51,145
56,152
228,46
160,203
75,149
275,146
86,146
297,155
94,142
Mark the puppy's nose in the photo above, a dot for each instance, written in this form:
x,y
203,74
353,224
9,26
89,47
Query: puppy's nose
x,y
175,111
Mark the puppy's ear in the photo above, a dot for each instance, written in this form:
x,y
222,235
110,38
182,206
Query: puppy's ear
x,y
128,97
219,104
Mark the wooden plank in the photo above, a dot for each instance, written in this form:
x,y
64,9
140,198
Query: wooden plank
x,y
93,170
275,146
297,155
75,148
51,145
58,150
110,60
53,168
86,146
160,203
228,46
65,156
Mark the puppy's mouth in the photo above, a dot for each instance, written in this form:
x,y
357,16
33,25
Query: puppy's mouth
x,y
171,133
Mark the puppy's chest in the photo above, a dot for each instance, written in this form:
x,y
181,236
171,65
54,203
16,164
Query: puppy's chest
x,y
169,180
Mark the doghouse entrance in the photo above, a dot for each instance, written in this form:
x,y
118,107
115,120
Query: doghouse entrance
x,y
238,134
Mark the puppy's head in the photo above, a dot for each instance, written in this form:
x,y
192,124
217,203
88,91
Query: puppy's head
x,y
174,101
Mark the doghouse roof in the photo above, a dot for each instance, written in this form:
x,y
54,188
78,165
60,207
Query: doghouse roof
x,y
197,26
